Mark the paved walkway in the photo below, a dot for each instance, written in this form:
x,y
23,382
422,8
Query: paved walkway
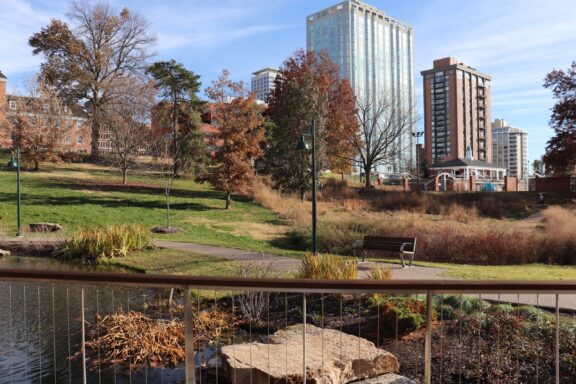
x,y
290,264
532,223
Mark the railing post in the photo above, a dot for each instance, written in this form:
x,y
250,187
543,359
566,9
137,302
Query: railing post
x,y
84,381
304,337
190,369
557,349
428,340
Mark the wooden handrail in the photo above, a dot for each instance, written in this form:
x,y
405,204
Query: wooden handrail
x,y
289,285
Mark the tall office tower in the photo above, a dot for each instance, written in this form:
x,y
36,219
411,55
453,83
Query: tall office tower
x,y
375,53
263,82
456,112
510,149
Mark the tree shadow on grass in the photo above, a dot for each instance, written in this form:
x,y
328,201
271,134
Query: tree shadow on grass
x,y
136,188
105,201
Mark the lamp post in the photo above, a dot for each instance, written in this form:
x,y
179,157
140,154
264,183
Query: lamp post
x,y
303,146
15,163
417,135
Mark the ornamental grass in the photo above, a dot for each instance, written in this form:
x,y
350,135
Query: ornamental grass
x,y
91,245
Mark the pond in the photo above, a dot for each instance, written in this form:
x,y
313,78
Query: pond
x,y
40,324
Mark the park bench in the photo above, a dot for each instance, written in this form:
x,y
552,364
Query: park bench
x,y
404,246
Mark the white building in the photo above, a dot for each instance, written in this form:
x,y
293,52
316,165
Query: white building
x,y
263,82
510,149
375,52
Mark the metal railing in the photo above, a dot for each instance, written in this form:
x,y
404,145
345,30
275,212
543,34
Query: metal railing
x,y
48,297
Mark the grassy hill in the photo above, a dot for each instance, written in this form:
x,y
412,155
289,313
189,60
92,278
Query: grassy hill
x,y
86,195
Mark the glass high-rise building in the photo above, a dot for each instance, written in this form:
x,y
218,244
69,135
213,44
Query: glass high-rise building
x,y
375,52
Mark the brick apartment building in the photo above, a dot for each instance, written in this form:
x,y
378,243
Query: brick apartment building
x,y
456,112
77,139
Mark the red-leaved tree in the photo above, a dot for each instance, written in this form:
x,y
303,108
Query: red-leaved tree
x,y
560,157
237,144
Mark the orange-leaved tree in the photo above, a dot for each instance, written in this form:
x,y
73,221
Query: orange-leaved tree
x,y
238,142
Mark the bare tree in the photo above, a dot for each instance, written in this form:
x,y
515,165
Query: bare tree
x,y
84,61
383,122
38,123
128,119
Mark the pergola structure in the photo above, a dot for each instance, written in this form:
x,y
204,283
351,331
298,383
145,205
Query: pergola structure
x,y
465,169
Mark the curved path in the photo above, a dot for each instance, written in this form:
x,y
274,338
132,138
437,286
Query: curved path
x,y
291,264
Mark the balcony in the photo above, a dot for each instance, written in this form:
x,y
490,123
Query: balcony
x,y
76,327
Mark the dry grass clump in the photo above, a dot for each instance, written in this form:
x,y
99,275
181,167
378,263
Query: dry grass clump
x,y
294,210
560,222
90,245
149,341
459,213
327,267
378,272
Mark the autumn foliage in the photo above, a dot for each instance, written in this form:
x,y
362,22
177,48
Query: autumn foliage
x,y
307,90
560,155
237,143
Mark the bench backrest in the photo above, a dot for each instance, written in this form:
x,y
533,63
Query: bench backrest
x,y
389,244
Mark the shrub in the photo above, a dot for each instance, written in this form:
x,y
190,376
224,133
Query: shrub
x,y
400,315
327,267
91,245
466,304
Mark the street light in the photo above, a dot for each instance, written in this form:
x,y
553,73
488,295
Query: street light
x,y
15,163
417,135
304,146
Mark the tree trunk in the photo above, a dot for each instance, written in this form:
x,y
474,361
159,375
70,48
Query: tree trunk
x,y
302,194
167,211
228,200
95,134
368,174
36,166
124,175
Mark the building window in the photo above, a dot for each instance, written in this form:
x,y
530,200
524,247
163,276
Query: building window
x,y
68,140
79,139
12,105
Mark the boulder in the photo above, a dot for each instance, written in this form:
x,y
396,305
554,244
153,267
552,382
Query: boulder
x,y
331,357
4,253
45,227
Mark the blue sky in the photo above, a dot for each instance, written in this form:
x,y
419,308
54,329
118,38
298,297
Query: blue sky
x,y
515,41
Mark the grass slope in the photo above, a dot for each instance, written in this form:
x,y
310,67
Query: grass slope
x,y
86,195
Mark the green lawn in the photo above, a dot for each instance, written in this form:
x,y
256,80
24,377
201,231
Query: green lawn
x,y
85,195
499,272
170,261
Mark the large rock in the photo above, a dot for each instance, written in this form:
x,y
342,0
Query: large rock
x,y
4,253
45,227
331,357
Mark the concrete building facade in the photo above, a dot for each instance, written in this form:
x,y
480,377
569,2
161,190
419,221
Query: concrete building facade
x,y
263,82
510,149
456,112
375,52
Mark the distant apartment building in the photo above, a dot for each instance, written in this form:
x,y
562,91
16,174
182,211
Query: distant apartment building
x,y
263,82
510,149
77,137
456,113
375,52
